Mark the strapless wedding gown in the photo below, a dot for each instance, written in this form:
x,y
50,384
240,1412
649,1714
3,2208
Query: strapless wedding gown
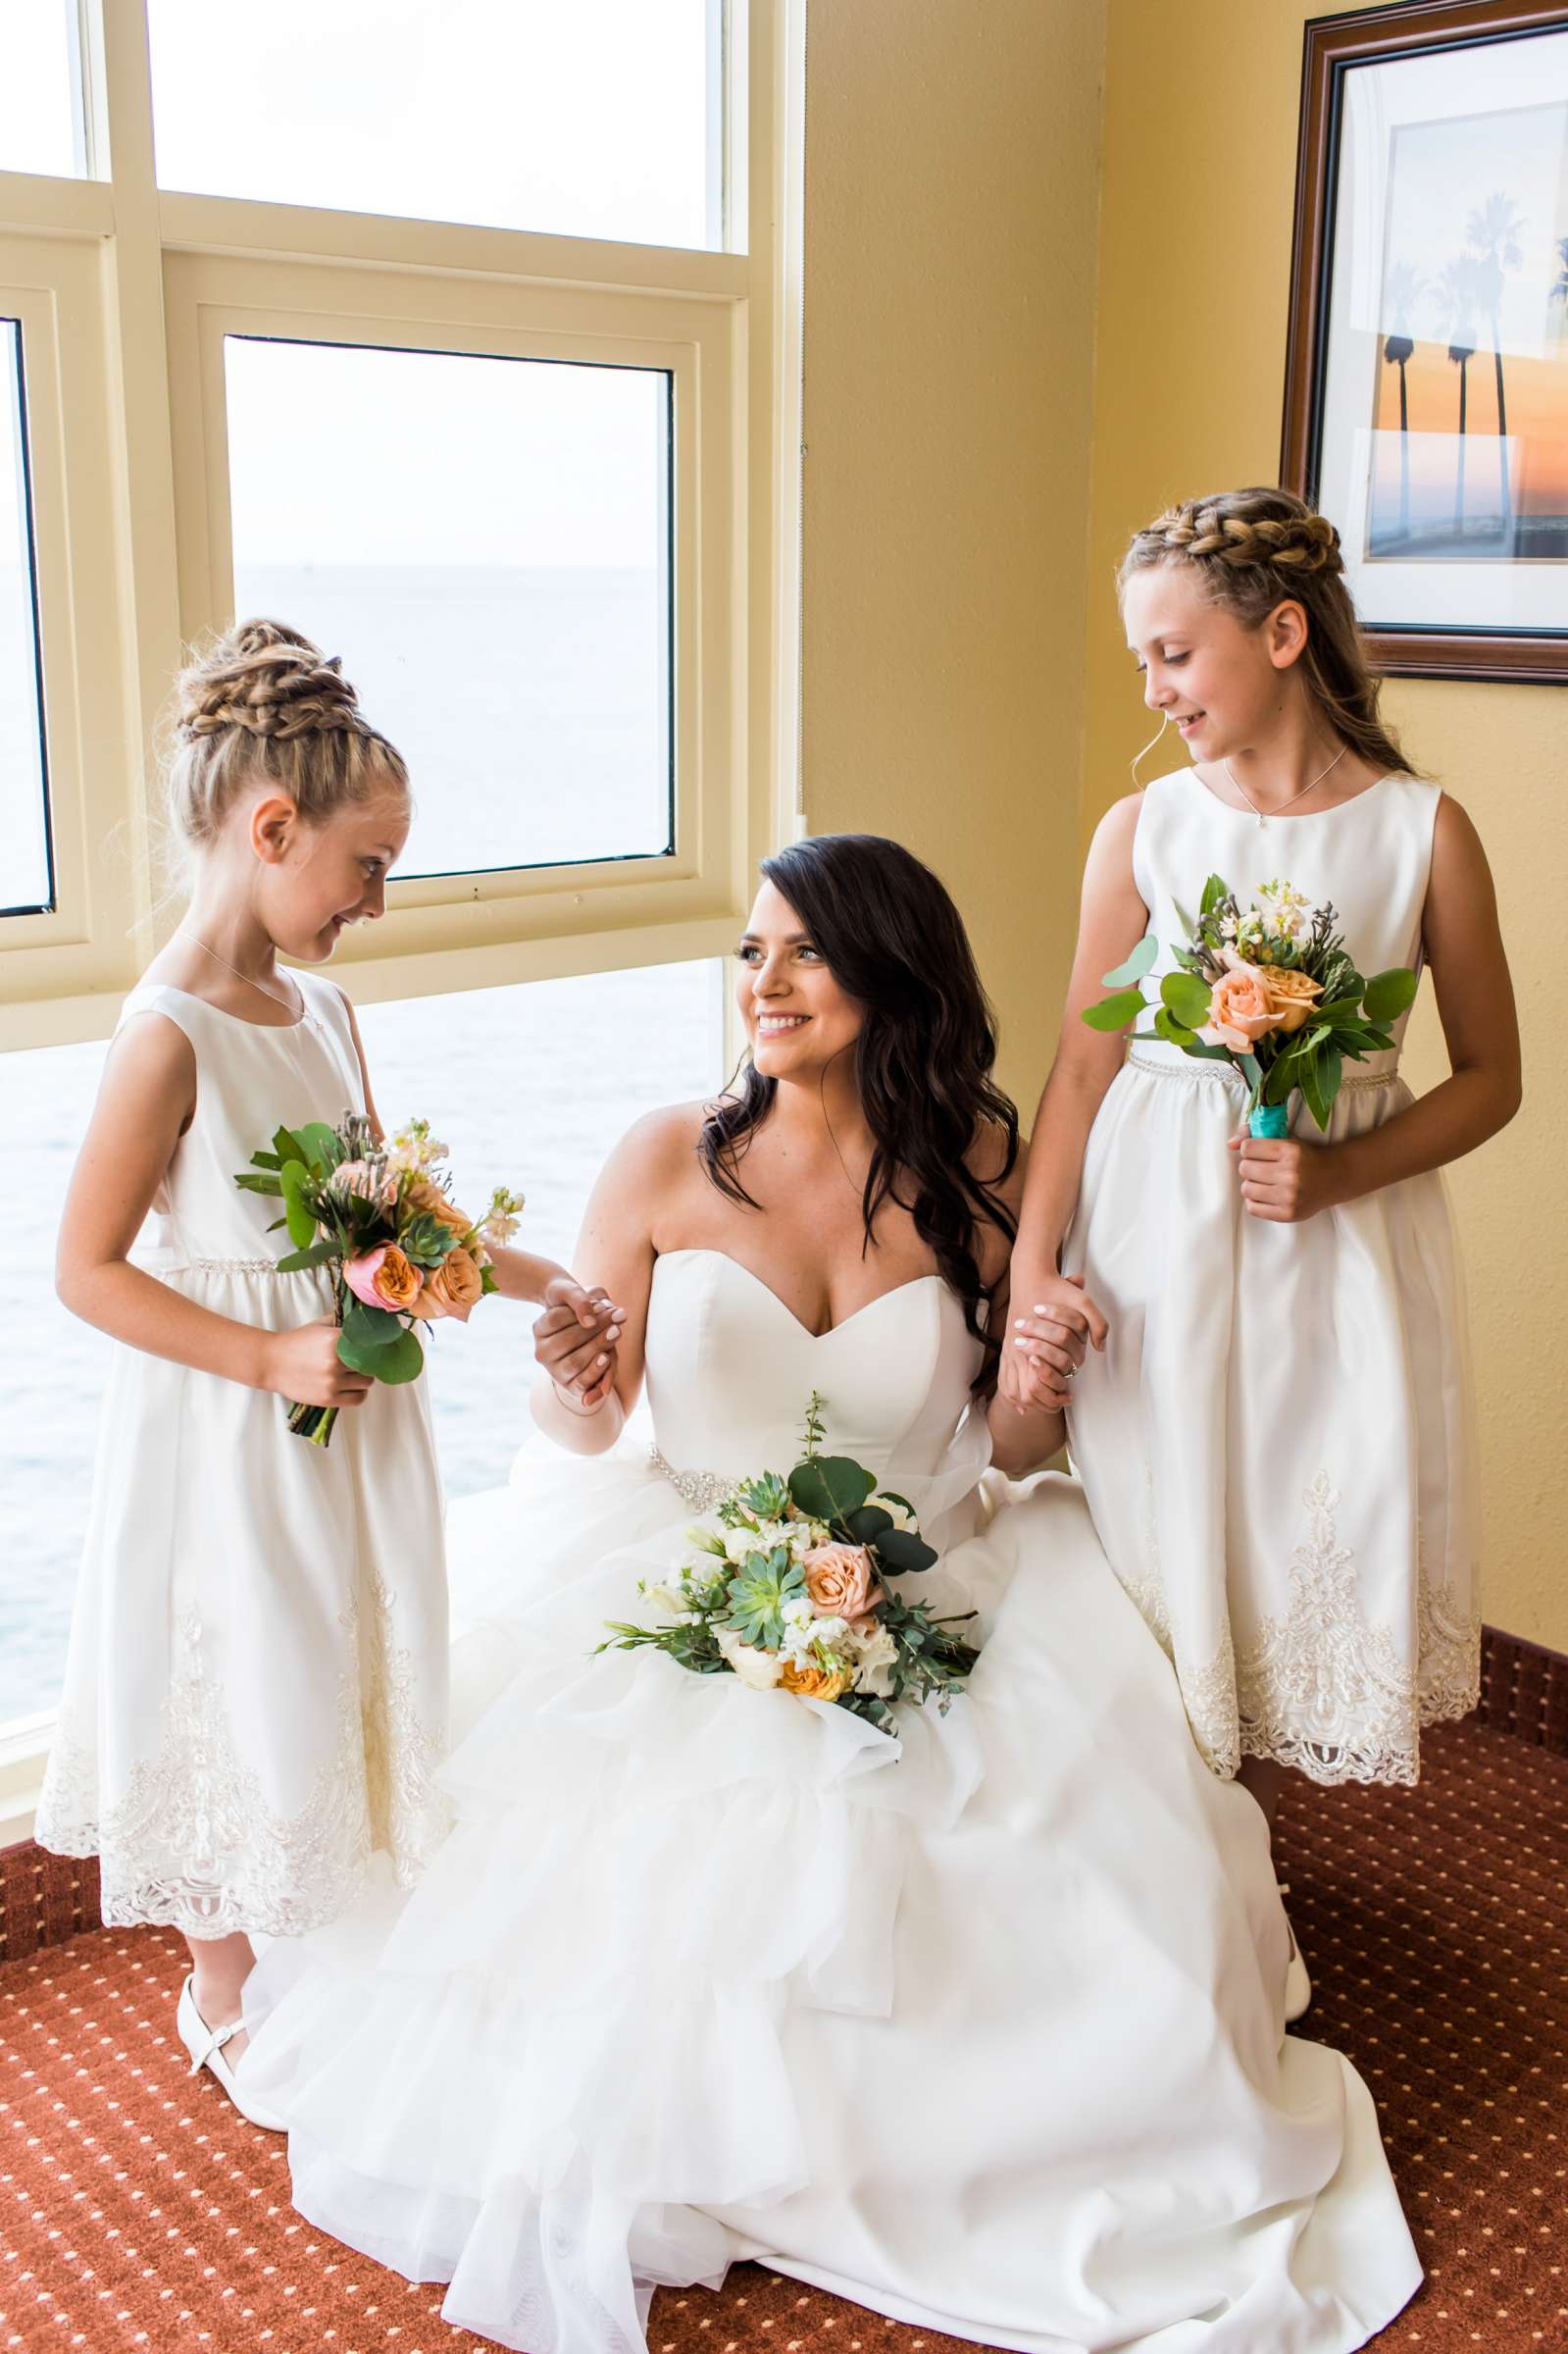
x,y
981,2029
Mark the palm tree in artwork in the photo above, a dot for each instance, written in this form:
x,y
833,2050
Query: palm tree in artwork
x,y
1458,291
1402,292
1493,229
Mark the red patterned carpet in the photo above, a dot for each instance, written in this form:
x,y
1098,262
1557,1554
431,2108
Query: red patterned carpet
x,y
138,2211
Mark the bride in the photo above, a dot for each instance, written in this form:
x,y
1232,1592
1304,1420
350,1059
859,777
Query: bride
x,y
982,2026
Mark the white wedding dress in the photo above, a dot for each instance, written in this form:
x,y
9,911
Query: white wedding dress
x,y
981,2029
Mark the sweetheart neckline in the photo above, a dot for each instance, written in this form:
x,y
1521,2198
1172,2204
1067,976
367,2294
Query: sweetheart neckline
x,y
706,1251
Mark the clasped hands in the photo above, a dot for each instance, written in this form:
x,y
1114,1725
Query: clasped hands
x,y
574,1340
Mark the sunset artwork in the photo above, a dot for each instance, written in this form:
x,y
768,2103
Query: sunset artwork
x,y
1468,399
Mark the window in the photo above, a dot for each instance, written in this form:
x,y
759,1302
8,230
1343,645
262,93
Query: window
x,y
26,886
603,119
42,100
511,1101
486,543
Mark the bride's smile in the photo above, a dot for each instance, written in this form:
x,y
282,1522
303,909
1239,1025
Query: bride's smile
x,y
798,1019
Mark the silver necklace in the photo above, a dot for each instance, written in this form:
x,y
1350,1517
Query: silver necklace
x,y
301,1012
1263,815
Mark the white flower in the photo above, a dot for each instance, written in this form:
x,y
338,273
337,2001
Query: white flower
x,y
667,1597
877,1655
900,1515
414,1148
764,1538
500,1220
761,1669
797,1611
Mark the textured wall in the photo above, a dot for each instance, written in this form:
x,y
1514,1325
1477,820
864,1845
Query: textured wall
x,y
1194,258
952,199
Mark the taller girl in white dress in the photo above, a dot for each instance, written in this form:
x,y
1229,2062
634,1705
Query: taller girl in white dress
x,y
979,2027
1274,1429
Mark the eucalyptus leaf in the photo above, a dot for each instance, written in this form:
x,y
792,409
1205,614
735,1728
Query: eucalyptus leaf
x,y
1114,1013
1388,995
1173,1033
316,1255
322,1147
829,1487
1134,967
1186,999
867,1525
905,1552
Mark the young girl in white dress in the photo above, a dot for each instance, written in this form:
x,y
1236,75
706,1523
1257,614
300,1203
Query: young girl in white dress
x,y
1274,1424
255,1694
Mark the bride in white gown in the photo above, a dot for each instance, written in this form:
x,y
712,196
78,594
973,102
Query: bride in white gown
x,y
982,2028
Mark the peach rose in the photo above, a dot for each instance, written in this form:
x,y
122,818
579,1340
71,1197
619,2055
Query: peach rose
x,y
421,1194
384,1278
815,1683
1292,994
451,1289
1240,1011
841,1581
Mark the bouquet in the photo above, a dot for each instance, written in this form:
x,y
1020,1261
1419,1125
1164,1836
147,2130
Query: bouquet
x,y
1272,991
398,1249
786,1586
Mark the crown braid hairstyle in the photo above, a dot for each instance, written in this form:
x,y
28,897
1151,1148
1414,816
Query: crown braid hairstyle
x,y
893,941
262,703
1251,550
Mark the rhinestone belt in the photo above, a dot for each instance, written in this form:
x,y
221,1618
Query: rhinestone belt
x,y
703,1491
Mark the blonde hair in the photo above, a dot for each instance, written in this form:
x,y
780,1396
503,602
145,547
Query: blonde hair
x,y
1250,550
262,703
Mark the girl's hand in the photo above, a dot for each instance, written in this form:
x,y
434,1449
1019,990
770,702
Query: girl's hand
x,y
1285,1181
1050,1341
575,1338
304,1366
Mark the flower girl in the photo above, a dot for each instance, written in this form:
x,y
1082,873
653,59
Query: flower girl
x,y
1274,1426
255,1692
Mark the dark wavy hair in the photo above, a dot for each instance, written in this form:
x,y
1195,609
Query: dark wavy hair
x,y
893,941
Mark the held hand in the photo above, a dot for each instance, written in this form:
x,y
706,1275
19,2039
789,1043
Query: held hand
x,y
574,1340
1051,1341
304,1366
1285,1181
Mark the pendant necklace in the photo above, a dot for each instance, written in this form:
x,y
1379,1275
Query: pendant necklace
x,y
301,1012
1263,815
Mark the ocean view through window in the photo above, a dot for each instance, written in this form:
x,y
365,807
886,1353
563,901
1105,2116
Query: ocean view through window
x,y
530,1086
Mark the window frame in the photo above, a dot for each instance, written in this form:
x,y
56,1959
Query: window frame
x,y
154,278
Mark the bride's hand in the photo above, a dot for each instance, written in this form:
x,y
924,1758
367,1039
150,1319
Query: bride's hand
x,y
574,1340
1050,1341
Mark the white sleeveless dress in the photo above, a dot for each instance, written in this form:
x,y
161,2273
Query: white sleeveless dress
x,y
981,2029
255,1691
1277,1443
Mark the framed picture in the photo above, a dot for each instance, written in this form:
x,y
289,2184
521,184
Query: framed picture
x,y
1426,404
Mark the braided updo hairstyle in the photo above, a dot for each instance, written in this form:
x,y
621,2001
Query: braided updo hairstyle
x,y
263,703
1250,550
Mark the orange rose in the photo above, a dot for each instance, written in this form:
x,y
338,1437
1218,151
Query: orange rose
x,y
451,1289
1240,1011
384,1278
841,1581
420,1195
1293,995
815,1683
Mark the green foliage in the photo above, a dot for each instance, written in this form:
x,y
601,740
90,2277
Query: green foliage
x,y
1186,999
316,1255
694,1645
1133,968
298,1211
829,1487
1114,1013
376,1342
323,1148
905,1552
1388,995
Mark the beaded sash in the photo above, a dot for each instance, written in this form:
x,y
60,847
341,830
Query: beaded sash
x,y
703,1491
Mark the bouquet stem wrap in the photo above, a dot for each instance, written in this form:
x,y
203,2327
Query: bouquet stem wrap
x,y
1269,1119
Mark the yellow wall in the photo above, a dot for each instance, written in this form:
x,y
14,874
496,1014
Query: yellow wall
x,y
956,159
951,193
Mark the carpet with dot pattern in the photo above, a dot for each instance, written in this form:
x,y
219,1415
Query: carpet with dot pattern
x,y
138,2210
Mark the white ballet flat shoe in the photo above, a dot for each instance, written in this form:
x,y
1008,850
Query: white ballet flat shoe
x,y
1298,1984
205,2045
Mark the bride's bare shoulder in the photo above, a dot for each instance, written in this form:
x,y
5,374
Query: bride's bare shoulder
x,y
660,1144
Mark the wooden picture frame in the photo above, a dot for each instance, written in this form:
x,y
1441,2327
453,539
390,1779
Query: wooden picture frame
x,y
1455,542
